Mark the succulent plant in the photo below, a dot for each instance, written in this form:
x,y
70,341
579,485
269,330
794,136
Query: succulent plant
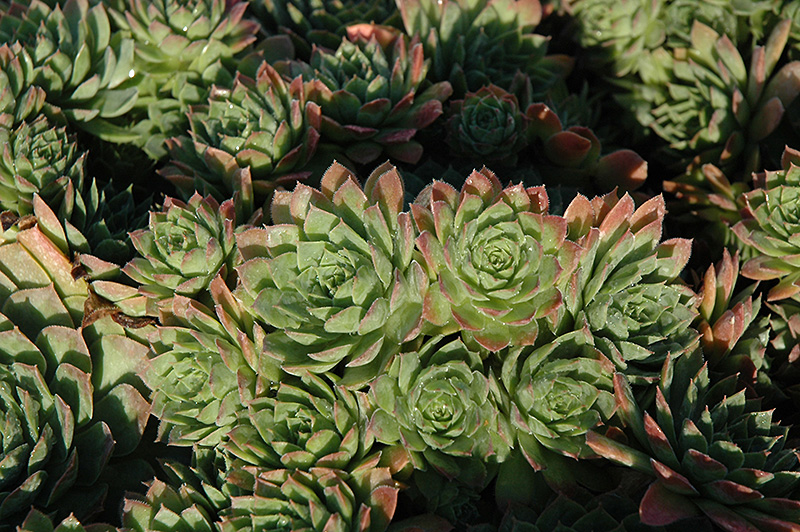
x,y
626,288
475,43
622,37
714,202
189,500
72,55
371,95
490,125
19,98
578,512
97,221
70,396
497,259
322,22
181,49
183,248
182,42
556,394
573,155
36,521
302,424
769,225
264,124
438,405
302,461
206,365
451,503
734,336
166,509
359,500
336,276
711,452
727,108
743,23
38,158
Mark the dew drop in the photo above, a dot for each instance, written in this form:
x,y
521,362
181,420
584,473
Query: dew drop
x,y
185,29
131,73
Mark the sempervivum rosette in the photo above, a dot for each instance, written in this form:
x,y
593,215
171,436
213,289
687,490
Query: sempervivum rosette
x,y
371,97
475,43
184,41
165,509
499,260
206,364
626,287
336,275
75,58
556,394
189,499
771,224
302,424
623,36
577,512
181,48
711,452
437,404
726,108
321,22
183,248
19,98
265,124
488,125
304,460
320,499
734,335
620,37
69,395
97,220
37,158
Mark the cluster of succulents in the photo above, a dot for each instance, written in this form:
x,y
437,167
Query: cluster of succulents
x,y
399,265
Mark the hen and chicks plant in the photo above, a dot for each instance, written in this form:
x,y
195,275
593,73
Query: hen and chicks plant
x,y
321,312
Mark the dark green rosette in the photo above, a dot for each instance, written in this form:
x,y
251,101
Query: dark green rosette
x,y
304,461
710,450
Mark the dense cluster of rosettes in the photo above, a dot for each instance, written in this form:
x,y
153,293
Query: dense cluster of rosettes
x,y
382,265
